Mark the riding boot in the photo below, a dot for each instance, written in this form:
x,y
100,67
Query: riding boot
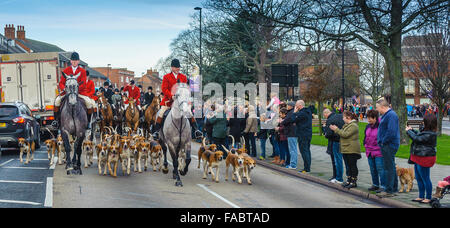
x,y
141,116
89,117
157,128
194,126
57,116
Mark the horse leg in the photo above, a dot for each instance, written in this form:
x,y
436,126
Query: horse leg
x,y
79,151
68,149
166,164
176,176
188,159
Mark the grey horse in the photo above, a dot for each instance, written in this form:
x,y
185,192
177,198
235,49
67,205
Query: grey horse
x,y
74,122
176,134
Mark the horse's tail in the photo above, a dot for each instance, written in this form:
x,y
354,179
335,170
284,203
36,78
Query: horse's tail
x,y
53,136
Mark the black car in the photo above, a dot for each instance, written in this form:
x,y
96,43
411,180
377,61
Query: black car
x,y
17,121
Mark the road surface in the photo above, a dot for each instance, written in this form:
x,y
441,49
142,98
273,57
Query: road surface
x,y
270,189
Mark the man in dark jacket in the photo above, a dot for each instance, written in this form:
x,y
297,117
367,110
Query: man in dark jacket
x,y
303,120
108,92
290,126
333,144
148,97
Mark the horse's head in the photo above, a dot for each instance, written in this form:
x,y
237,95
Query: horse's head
x,y
182,99
72,88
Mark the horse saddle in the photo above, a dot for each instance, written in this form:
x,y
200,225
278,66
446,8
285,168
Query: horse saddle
x,y
166,113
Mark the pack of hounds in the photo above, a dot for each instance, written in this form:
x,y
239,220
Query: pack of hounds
x,y
138,151
241,163
113,150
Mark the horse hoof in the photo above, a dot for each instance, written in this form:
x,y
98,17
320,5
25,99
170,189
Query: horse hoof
x,y
165,171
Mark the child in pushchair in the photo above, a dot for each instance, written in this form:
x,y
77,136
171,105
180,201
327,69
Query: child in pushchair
x,y
442,189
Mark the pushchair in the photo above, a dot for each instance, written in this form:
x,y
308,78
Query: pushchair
x,y
435,202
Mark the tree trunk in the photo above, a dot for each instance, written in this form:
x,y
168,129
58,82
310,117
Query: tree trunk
x,y
319,113
398,99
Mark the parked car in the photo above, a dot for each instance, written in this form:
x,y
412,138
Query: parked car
x,y
17,121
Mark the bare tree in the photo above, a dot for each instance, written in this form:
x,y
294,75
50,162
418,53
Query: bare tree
x,y
379,24
428,55
372,74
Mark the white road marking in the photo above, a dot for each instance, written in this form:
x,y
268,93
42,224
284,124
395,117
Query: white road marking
x,y
55,160
36,168
49,193
19,202
218,196
6,162
37,159
20,182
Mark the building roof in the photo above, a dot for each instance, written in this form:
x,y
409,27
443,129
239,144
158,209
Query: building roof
x,y
11,49
39,46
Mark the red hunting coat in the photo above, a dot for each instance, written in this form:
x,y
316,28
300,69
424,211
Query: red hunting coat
x,y
82,81
169,81
134,93
91,90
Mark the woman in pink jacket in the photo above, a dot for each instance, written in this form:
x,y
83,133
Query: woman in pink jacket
x,y
373,152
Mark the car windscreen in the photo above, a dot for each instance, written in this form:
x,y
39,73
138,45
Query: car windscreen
x,y
8,111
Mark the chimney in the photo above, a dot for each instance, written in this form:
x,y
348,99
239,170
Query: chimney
x,y
10,32
21,33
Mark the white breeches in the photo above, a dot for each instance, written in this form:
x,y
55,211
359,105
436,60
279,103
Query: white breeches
x,y
90,103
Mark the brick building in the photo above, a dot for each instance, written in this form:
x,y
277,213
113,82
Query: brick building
x,y
415,50
118,77
150,78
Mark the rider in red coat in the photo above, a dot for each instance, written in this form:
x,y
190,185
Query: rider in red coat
x,y
90,87
169,81
134,92
83,91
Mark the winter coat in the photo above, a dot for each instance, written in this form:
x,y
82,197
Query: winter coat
x,y
289,124
333,119
349,138
219,127
423,147
303,122
370,141
251,125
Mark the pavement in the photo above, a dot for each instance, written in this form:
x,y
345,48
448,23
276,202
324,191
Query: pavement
x,y
25,186
321,172
270,189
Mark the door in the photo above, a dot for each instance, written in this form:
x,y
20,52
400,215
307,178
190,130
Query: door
x,y
49,82
10,82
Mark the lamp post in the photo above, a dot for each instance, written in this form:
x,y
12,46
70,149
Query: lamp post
x,y
201,63
343,75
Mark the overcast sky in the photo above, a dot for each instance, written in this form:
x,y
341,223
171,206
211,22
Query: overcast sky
x,y
124,33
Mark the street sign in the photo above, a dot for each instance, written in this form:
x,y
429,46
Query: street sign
x,y
285,74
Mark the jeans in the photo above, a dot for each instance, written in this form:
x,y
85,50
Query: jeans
x,y
250,140
292,142
262,143
338,161
423,181
305,149
377,171
389,168
276,146
284,150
